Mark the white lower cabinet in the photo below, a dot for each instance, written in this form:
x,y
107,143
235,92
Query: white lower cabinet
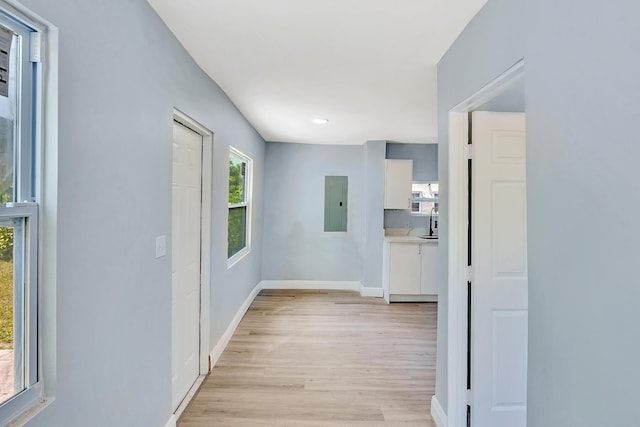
x,y
410,271
429,269
404,269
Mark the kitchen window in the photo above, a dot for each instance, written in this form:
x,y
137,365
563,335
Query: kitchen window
x,y
239,229
424,198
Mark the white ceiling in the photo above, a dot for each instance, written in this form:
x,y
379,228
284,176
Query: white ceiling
x,y
369,66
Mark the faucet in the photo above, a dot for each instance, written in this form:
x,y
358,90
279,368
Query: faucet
x,y
433,223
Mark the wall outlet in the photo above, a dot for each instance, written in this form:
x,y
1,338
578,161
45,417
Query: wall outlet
x,y
161,246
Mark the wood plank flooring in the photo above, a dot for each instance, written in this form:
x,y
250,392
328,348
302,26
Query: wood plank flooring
x,y
323,358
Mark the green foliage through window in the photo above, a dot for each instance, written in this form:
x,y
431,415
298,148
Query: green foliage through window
x,y
238,203
6,160
6,288
237,230
237,170
6,243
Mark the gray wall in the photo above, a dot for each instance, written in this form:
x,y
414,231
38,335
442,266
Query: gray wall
x,y
425,168
581,75
373,190
295,244
490,44
121,73
424,156
511,101
582,84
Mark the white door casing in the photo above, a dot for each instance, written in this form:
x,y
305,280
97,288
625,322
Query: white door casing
x,y
185,261
500,278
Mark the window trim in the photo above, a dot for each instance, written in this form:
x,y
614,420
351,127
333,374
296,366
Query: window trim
x,y
40,211
248,195
26,119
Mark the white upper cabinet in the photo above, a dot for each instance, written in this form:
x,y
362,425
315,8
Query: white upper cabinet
x,y
398,180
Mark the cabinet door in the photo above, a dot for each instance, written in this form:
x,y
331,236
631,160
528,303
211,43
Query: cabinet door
x,y
429,269
404,269
397,188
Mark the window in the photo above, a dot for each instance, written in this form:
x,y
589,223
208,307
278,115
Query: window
x,y
415,206
21,127
239,206
424,198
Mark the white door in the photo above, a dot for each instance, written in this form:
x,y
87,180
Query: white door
x,y
185,261
499,259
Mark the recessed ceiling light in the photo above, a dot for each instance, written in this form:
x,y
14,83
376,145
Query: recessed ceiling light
x,y
320,121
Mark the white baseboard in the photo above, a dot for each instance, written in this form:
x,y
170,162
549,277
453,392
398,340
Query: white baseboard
x,y
437,413
224,340
371,292
188,398
172,421
413,298
324,285
311,284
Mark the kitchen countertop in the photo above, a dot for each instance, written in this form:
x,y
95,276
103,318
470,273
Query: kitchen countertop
x,y
409,239
405,235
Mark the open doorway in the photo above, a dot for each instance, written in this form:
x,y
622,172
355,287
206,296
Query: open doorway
x,y
488,286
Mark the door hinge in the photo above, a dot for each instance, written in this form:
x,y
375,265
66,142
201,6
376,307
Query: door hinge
x,y
468,151
469,273
468,397
35,46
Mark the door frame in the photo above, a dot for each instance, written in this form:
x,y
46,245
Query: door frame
x,y
457,218
205,240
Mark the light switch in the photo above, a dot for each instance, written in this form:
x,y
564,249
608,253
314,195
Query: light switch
x,y
161,246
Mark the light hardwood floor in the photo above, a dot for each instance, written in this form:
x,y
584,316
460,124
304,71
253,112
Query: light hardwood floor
x,y
323,358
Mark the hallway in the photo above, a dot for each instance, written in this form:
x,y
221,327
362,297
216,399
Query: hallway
x,y
323,358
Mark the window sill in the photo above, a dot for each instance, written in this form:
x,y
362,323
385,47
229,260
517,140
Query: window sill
x,y
237,257
31,413
23,406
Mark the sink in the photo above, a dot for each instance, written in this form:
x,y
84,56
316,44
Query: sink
x,y
427,237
